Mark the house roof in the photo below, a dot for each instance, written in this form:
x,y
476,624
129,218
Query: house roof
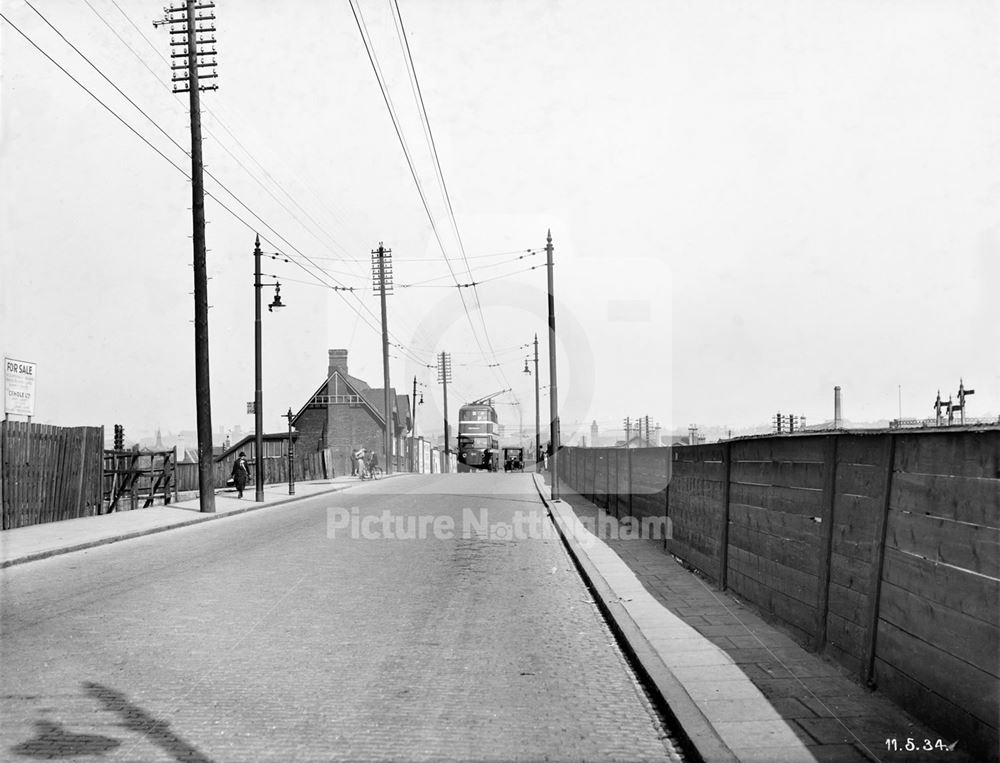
x,y
372,398
242,444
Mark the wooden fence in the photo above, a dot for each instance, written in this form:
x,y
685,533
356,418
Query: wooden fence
x,y
626,482
880,550
131,476
49,473
308,466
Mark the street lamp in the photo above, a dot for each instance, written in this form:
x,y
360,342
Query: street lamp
x,y
413,424
258,395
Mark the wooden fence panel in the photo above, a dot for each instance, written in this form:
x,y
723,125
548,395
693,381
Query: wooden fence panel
x,y
650,477
776,512
938,639
49,473
862,474
600,456
697,489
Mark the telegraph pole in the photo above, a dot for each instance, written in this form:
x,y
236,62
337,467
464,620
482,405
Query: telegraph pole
x,y
444,376
258,394
382,277
538,423
187,30
553,387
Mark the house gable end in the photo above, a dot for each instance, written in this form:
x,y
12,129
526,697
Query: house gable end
x,y
346,387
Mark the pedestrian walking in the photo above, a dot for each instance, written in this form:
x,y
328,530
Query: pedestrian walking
x,y
354,462
241,473
359,458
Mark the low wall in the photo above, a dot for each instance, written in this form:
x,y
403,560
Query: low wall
x,y
880,550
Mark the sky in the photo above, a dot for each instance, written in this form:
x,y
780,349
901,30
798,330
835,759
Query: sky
x,y
749,203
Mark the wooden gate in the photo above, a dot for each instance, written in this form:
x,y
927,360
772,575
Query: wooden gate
x,y
131,475
49,473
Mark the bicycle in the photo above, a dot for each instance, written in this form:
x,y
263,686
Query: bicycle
x,y
375,472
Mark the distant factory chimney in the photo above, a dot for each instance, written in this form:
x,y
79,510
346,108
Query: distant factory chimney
x,y
836,408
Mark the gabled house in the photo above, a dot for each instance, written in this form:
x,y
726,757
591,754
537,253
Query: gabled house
x,y
345,413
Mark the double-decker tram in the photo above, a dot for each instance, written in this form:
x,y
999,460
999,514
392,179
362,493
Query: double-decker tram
x,y
478,440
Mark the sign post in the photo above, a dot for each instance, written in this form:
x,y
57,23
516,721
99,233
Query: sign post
x,y
19,387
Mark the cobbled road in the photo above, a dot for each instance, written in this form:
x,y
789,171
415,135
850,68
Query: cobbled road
x,y
314,631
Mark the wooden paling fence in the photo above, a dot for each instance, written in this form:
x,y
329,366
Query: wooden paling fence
x,y
308,466
49,473
880,550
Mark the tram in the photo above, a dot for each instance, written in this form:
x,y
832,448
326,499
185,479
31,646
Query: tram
x,y
478,440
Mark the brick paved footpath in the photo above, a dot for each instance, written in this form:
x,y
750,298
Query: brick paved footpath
x,y
258,637
832,716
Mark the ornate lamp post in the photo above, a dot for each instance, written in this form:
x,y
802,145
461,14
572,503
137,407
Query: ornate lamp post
x,y
258,395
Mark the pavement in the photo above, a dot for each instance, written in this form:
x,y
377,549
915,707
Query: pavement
x,y
740,687
26,544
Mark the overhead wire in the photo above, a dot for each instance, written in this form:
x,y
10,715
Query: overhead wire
x,y
160,128
425,119
183,172
221,123
369,48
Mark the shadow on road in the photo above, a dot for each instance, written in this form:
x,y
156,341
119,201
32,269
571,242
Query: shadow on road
x,y
138,720
51,740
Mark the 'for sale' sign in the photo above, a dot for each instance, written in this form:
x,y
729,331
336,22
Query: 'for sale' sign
x,y
19,387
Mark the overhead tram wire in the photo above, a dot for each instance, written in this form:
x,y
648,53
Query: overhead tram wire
x,y
225,127
484,267
362,29
425,118
222,124
522,252
251,174
165,133
381,80
182,171
339,286
471,285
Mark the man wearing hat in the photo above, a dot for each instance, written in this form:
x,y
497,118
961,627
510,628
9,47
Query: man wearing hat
x,y
241,473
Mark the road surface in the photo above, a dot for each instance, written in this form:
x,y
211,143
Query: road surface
x,y
319,631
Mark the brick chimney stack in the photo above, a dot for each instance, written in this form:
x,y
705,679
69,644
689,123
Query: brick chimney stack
x,y
338,360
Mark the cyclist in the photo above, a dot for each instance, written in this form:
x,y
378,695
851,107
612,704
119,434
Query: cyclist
x,y
372,463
